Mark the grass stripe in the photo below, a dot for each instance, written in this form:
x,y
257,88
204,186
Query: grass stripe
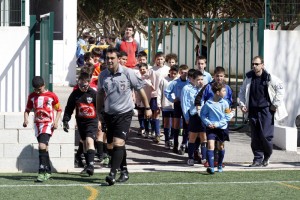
x,y
94,192
150,184
290,186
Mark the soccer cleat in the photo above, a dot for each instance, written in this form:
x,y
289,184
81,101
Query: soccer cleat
x,y
152,135
41,177
171,143
123,177
83,172
216,164
182,150
203,161
210,170
220,169
265,162
147,135
156,139
255,164
47,176
90,170
175,150
111,178
141,132
105,161
190,162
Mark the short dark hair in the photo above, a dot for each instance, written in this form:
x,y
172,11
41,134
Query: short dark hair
x,y
196,74
87,56
142,65
112,37
84,76
112,50
122,53
88,68
259,57
183,67
92,40
191,72
37,82
171,56
219,69
96,51
201,58
217,87
174,68
142,54
159,54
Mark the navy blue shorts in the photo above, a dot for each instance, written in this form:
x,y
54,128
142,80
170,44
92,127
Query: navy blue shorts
x,y
177,110
195,124
169,114
117,125
216,134
153,104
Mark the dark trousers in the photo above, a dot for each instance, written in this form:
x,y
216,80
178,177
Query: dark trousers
x,y
262,130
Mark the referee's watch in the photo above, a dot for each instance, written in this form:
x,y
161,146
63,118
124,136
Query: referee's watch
x,y
147,108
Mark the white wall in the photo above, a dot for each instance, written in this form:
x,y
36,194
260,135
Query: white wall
x,y
282,58
64,61
14,68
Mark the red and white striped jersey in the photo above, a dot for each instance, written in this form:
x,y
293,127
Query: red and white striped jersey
x,y
43,105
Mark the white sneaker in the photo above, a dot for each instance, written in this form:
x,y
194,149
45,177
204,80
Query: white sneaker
x,y
190,162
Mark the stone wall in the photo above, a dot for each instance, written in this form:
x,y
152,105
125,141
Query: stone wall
x,y
19,146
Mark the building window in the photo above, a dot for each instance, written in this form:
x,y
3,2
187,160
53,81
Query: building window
x,y
10,12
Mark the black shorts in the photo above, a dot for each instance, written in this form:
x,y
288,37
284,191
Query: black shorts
x,y
216,134
169,114
87,129
196,125
117,125
153,104
177,110
44,138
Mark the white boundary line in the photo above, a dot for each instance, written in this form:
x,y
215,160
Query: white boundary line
x,y
149,184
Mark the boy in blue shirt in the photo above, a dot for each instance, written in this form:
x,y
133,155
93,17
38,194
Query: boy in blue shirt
x,y
215,114
195,126
207,93
175,88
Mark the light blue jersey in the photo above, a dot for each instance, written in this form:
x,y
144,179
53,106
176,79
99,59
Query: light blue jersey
x,y
188,95
175,87
217,113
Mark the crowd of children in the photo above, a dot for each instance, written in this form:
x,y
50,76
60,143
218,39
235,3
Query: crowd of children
x,y
186,98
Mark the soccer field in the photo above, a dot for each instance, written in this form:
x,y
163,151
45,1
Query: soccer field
x,y
156,185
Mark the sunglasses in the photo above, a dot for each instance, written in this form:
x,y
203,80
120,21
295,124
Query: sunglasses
x,y
256,64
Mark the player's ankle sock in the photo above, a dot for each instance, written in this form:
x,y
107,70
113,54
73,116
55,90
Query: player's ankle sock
x,y
191,149
80,149
123,165
221,157
167,133
117,157
203,150
141,121
184,136
42,160
86,158
90,156
105,148
176,135
210,157
157,127
99,145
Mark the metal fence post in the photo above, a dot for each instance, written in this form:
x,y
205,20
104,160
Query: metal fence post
x,y
260,30
32,50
